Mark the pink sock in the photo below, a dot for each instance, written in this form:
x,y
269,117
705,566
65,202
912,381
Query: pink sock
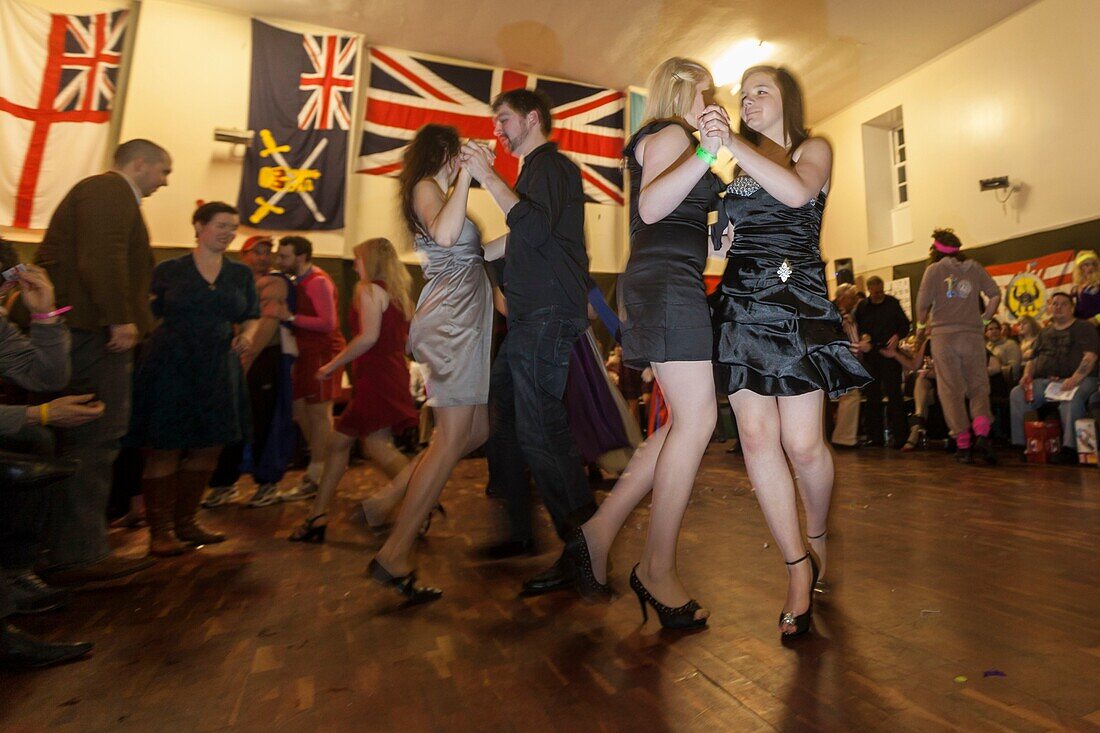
x,y
963,440
981,425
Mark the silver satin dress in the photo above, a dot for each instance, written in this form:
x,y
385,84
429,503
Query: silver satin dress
x,y
451,332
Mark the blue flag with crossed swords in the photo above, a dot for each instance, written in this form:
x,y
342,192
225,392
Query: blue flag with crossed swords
x,y
299,111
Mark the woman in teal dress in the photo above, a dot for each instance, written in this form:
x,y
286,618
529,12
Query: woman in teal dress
x,y
190,397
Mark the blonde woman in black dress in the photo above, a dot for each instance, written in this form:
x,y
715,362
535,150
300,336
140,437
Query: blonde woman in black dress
x,y
666,327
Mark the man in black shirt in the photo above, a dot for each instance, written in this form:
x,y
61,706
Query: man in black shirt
x,y
882,323
545,271
1065,356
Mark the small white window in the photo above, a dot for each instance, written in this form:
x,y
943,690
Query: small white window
x,y
886,180
901,181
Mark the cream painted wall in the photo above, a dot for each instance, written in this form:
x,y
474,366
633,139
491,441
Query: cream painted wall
x,y
1020,100
190,74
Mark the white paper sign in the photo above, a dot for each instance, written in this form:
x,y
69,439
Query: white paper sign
x,y
900,289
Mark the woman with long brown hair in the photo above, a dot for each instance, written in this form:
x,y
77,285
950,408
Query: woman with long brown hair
x,y
380,403
449,337
778,341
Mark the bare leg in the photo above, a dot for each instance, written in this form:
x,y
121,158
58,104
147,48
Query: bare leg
x,y
161,463
336,465
301,416
379,448
758,424
665,463
319,418
201,459
800,421
378,508
456,429
689,390
635,483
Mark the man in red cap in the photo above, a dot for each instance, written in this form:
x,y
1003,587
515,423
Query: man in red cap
x,y
268,366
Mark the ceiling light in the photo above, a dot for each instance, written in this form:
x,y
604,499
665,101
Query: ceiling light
x,y
738,58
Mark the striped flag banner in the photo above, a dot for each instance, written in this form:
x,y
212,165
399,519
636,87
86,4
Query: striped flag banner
x,y
407,90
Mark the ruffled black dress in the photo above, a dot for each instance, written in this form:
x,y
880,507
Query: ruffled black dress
x,y
775,331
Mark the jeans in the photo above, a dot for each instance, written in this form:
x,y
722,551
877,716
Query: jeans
x,y
23,514
76,531
885,377
528,427
1070,411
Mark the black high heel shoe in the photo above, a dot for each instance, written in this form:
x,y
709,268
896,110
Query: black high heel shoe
x,y
671,618
576,549
820,586
405,585
307,532
427,523
801,622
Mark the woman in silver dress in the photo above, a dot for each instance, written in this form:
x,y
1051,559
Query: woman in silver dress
x,y
449,336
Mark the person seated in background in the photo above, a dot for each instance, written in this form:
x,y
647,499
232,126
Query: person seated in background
x,y
1027,330
38,362
846,425
1005,362
1063,370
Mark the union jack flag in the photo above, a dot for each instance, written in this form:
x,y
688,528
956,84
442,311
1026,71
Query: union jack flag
x,y
408,90
329,83
58,76
89,64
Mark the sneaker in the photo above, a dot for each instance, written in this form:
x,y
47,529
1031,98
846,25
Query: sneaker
x,y
266,495
220,496
305,490
31,594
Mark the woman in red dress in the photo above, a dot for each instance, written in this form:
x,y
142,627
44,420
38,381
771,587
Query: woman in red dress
x,y
380,403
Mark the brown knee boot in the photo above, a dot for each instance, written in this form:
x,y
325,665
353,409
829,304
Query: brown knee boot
x,y
192,485
160,501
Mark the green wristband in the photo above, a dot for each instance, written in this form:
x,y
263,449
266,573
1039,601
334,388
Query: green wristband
x,y
705,155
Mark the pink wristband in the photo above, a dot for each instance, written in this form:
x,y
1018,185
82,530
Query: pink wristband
x,y
51,314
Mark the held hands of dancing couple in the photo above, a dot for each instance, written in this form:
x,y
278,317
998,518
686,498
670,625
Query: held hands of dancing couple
x,y
793,186
477,158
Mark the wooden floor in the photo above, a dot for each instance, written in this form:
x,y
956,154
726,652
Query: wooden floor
x,y
940,573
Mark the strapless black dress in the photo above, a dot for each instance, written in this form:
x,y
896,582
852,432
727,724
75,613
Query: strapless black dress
x,y
662,300
775,331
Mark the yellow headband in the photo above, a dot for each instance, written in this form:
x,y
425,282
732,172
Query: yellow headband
x,y
1085,254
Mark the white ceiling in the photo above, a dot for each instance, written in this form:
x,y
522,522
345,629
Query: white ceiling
x,y
841,49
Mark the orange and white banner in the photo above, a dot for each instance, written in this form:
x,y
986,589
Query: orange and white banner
x,y
1027,284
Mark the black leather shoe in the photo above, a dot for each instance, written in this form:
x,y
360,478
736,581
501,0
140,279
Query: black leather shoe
x,y
25,472
983,449
31,595
509,548
558,576
21,651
